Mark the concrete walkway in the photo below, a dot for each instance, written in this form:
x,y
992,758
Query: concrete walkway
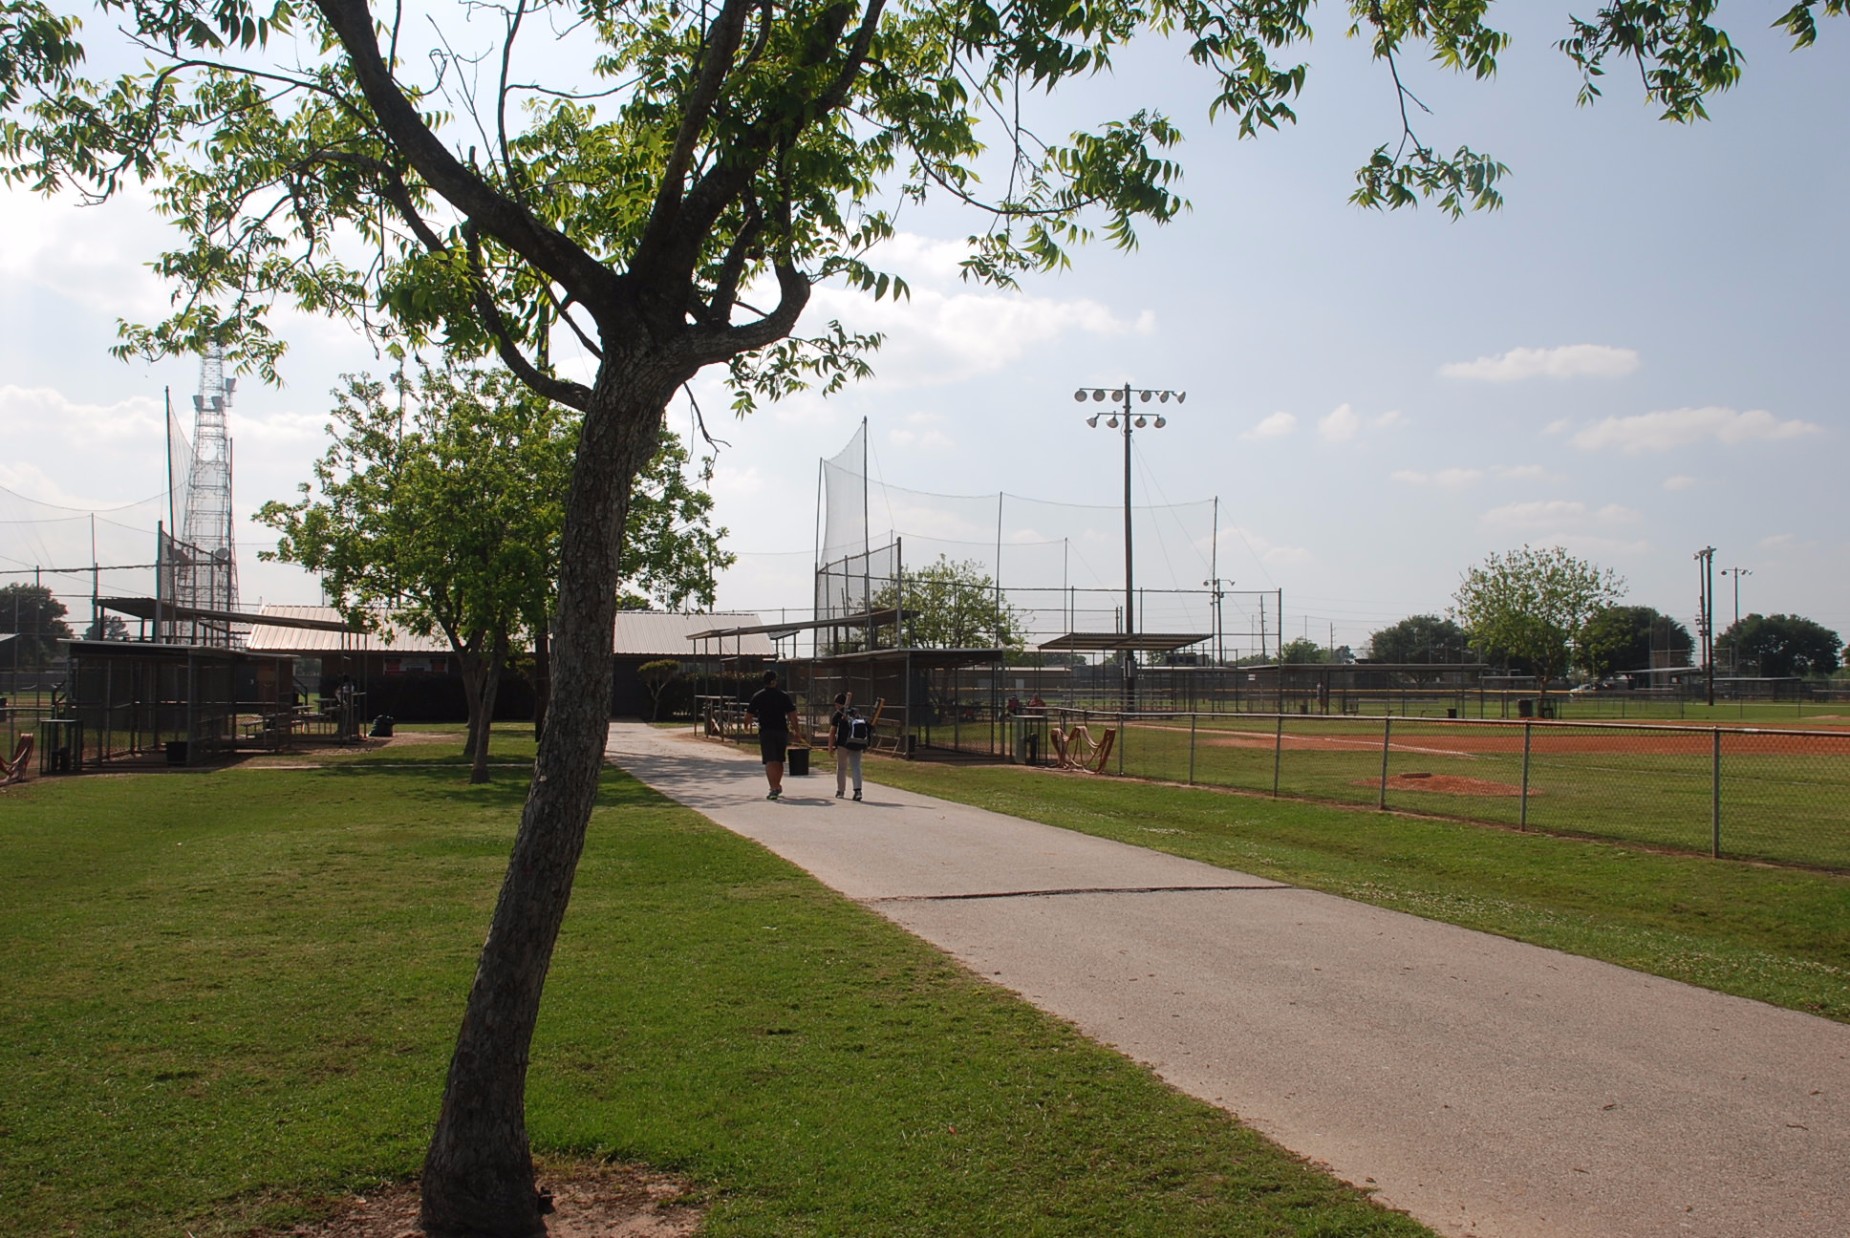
x,y
1488,1088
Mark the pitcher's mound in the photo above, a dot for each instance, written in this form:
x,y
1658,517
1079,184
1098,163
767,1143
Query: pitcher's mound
x,y
1448,784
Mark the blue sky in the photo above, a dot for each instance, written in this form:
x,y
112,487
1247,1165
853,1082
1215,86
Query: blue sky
x,y
1640,355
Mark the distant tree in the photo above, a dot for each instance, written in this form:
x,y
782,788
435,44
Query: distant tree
x,y
107,626
38,617
1420,638
952,605
656,676
1536,605
1301,650
1781,645
1633,638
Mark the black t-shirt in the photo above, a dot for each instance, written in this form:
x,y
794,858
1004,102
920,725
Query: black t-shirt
x,y
772,707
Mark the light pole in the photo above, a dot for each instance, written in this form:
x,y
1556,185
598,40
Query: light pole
x,y
1139,420
1734,645
1220,629
1705,577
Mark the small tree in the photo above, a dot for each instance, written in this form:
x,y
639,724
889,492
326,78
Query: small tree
x,y
1781,645
1301,650
1536,605
952,605
38,617
107,627
656,676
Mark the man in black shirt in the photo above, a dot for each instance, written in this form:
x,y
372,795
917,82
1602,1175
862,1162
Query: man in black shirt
x,y
777,717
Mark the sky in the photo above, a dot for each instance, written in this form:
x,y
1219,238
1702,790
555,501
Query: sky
x,y
1641,355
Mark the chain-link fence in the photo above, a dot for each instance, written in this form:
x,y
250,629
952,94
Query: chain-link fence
x,y
1780,795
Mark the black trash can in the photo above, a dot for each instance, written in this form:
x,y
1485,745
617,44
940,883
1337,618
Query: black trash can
x,y
798,761
1525,708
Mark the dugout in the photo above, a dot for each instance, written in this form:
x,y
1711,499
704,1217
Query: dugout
x,y
137,702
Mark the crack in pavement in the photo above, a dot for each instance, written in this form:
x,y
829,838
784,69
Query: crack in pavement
x,y
952,898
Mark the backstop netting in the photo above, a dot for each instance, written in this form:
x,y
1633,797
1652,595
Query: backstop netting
x,y
1057,567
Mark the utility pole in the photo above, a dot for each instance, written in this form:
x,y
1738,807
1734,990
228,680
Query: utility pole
x,y
1705,621
1124,394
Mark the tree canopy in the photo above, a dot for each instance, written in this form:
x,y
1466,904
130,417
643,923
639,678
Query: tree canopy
x,y
38,617
1420,638
1635,638
1536,604
655,188
952,604
1781,645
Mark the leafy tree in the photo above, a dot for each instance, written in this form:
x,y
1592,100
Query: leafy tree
x,y
1420,638
439,507
952,605
1782,645
107,626
1536,605
656,676
1635,638
1301,650
38,618
668,208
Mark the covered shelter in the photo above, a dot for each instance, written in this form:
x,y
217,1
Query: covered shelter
x,y
147,703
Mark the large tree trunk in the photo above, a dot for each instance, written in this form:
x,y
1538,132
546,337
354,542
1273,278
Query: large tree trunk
x,y
474,685
478,1175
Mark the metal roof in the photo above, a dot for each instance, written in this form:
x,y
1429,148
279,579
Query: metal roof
x,y
1144,642
654,633
286,635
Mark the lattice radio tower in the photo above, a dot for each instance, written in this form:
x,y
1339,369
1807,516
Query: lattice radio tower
x,y
207,576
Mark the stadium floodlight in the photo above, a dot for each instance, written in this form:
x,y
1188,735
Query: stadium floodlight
x,y
1122,396
1080,395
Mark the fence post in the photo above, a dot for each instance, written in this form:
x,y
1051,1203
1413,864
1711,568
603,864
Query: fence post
x,y
1192,719
1715,789
1522,820
1278,747
1387,729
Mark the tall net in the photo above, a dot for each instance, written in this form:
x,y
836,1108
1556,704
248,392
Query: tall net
x,y
79,553
1059,567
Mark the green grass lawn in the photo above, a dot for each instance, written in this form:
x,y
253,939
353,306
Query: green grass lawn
x,y
231,995
1778,935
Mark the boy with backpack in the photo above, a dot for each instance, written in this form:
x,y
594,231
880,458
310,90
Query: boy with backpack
x,y
849,736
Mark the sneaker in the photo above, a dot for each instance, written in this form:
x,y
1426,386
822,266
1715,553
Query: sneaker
x,y
838,795
857,795
775,792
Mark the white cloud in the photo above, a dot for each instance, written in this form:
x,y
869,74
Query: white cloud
x,y
922,432
1779,541
936,336
1546,513
1570,361
1339,425
1388,420
1278,425
1684,427
1679,482
1445,479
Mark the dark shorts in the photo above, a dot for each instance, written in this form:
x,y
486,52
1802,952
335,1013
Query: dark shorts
x,y
771,746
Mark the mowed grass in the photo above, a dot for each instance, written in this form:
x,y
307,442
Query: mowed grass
x,y
230,996
1783,798
1778,935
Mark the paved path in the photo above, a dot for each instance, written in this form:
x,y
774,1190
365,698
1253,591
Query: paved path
x,y
1489,1088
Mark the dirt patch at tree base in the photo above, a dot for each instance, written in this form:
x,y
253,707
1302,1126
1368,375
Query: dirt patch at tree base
x,y
1447,784
589,1201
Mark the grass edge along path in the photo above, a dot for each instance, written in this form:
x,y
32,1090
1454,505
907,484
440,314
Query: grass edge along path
x,y
1777,935
232,996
